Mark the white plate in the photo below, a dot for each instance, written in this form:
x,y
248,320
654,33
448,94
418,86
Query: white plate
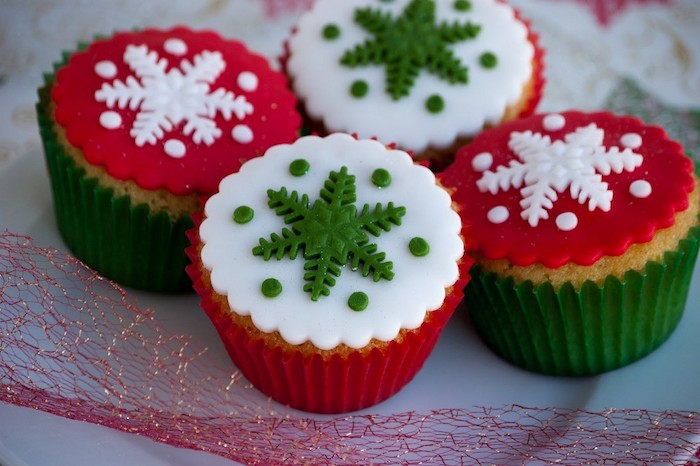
x,y
584,63
461,373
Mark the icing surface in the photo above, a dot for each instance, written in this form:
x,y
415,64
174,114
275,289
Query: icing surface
x,y
358,306
174,109
569,188
547,167
470,95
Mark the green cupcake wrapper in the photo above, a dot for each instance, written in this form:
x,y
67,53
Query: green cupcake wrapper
x,y
126,243
584,331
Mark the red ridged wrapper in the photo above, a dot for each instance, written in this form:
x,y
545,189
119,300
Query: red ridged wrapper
x,y
335,384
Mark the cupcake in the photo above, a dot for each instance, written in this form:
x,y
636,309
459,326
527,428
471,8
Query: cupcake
x,y
137,126
329,268
585,234
427,75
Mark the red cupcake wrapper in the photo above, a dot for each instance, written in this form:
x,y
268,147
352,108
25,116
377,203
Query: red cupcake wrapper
x,y
335,384
538,70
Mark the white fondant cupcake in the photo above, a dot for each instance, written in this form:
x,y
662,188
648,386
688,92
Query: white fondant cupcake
x,y
427,75
329,267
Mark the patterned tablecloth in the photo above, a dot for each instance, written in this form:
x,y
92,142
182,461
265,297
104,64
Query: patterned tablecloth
x,y
74,345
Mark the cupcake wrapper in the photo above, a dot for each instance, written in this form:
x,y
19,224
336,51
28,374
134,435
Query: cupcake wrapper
x,y
331,385
124,242
586,331
539,79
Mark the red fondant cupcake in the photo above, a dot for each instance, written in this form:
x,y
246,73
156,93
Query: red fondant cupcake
x,y
137,126
585,230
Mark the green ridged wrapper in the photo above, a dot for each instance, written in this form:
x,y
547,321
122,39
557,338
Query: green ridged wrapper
x,y
596,328
126,243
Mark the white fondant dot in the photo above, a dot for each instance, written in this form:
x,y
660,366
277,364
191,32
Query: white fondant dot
x,y
631,140
242,134
498,214
553,122
175,46
248,81
567,221
482,162
110,120
174,148
640,189
106,69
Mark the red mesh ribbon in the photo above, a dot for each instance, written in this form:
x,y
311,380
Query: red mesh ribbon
x,y
606,11
76,345
274,8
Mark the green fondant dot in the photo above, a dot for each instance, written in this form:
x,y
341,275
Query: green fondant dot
x,y
331,31
418,246
243,214
271,288
488,60
463,5
435,104
359,89
299,167
358,301
381,178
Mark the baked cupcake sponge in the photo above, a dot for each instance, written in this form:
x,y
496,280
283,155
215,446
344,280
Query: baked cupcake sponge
x,y
427,75
137,126
329,268
586,233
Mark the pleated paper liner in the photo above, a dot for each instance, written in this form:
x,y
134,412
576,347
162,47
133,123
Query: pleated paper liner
x,y
126,243
588,330
335,384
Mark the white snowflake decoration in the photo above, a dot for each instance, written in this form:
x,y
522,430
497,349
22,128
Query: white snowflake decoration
x,y
546,168
163,100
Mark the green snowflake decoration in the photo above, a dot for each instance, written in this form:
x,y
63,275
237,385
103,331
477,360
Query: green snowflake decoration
x,y
331,232
410,43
